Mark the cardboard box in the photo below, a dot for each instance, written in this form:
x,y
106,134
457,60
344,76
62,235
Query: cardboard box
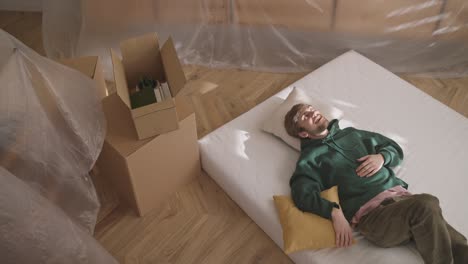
x,y
141,56
91,67
146,172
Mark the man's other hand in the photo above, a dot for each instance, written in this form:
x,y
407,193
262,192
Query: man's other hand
x,y
370,165
343,232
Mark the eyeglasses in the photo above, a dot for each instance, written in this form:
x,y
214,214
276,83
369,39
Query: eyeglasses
x,y
300,114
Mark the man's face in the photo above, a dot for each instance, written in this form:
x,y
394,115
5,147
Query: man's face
x,y
312,121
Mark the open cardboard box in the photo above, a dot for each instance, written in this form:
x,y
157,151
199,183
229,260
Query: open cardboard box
x,y
141,56
146,172
91,67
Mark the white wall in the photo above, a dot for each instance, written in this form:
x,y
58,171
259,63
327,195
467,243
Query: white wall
x,y
21,5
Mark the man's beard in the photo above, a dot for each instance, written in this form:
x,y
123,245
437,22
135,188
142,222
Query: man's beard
x,y
320,128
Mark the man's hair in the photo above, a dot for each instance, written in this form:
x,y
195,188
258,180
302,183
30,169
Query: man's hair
x,y
290,120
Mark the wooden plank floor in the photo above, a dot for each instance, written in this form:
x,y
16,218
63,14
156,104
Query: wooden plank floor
x,y
200,223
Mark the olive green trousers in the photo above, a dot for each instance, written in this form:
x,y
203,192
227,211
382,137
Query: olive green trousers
x,y
418,218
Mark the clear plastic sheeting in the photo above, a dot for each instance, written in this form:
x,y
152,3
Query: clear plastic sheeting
x,y
51,131
33,230
410,36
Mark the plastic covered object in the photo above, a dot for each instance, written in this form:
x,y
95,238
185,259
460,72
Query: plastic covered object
x,y
33,230
410,36
52,129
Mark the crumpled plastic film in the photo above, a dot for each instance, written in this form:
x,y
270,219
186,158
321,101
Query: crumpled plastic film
x,y
52,129
33,230
411,36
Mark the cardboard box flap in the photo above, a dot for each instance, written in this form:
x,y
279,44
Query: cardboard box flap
x,y
120,80
99,77
141,57
174,74
121,134
86,65
184,106
147,109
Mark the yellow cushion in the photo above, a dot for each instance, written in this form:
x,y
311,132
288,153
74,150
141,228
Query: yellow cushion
x,y
305,230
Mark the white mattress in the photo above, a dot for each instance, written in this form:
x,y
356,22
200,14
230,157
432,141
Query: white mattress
x,y
252,166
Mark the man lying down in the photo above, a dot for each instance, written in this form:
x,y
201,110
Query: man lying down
x,y
372,198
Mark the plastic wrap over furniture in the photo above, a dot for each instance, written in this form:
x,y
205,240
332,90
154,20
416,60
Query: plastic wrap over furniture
x,y
51,129
411,36
33,230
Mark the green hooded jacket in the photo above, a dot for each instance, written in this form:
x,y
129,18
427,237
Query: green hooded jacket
x,y
332,161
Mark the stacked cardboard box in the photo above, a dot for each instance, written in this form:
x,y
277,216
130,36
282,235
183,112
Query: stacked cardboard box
x,y
145,172
152,150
